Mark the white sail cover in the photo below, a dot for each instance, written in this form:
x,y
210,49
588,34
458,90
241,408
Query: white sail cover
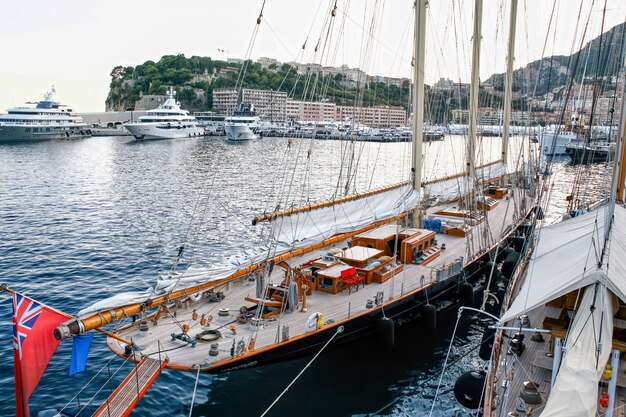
x,y
290,232
575,392
303,229
565,251
453,188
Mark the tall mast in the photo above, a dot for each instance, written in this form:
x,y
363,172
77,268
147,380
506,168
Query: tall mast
x,y
620,148
418,91
474,84
508,82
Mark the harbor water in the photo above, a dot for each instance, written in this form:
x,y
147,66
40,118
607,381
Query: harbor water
x,y
86,219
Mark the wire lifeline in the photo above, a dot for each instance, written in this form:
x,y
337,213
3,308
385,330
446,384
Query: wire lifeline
x,y
339,330
195,388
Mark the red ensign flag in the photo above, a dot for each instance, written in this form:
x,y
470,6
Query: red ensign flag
x,y
34,344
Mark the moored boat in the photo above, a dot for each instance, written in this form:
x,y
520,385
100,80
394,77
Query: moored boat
x,y
168,121
48,119
242,124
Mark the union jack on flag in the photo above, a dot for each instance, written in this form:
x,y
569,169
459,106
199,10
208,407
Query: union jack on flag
x,y
34,344
25,314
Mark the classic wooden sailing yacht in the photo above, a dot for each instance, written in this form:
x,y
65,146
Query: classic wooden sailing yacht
x,y
556,349
336,270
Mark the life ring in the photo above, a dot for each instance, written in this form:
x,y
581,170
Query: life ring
x,y
208,336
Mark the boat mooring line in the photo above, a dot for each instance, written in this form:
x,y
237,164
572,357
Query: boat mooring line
x,y
340,329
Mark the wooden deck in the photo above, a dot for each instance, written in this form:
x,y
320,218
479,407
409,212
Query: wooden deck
x,y
124,399
246,337
535,364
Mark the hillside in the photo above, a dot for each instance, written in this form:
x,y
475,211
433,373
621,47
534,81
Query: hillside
x,y
604,52
196,77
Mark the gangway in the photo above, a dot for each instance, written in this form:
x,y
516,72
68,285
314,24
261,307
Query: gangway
x,y
126,396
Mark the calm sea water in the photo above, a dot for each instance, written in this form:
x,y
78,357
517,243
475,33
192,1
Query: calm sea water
x,y
83,220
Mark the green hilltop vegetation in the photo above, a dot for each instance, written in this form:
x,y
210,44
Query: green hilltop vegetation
x,y
195,78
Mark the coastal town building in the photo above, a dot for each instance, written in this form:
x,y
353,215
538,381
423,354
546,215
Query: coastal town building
x,y
225,100
376,117
310,111
269,104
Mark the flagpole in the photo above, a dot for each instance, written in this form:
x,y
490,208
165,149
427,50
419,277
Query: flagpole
x,y
5,287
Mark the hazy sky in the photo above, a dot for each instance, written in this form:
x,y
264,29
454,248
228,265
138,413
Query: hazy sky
x,y
75,44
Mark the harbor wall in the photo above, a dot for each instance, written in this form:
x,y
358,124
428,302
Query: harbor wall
x,y
111,117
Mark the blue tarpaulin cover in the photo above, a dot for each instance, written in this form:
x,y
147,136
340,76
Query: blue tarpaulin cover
x,y
433,224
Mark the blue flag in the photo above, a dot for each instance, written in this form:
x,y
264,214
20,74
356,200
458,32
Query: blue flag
x,y
80,349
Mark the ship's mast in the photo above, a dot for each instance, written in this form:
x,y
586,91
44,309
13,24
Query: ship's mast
x,y
418,94
474,85
620,151
508,82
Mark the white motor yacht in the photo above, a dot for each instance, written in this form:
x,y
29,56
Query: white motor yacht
x,y
168,121
242,124
47,120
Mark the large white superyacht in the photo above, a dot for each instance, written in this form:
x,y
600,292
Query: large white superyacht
x,y
47,120
242,124
168,121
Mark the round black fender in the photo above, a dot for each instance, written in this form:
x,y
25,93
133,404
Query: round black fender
x,y
468,389
386,331
429,315
466,294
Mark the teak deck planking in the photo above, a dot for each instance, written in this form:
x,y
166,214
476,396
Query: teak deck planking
x,y
335,307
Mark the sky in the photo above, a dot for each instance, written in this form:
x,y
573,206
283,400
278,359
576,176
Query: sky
x,y
74,45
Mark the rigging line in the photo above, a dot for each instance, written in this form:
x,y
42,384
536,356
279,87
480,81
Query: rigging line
x,y
87,384
103,386
445,363
400,57
423,382
339,330
195,387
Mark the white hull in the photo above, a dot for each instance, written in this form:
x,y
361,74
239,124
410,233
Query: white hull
x,y
238,132
553,144
26,133
156,131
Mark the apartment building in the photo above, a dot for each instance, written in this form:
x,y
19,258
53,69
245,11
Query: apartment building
x,y
376,117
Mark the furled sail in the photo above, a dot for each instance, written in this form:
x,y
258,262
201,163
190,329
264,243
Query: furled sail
x,y
566,254
588,348
290,232
457,186
305,228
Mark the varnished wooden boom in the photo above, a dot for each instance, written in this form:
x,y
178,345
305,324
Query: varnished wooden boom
x,y
102,318
314,206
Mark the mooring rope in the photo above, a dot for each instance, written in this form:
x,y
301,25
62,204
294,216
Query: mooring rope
x,y
339,330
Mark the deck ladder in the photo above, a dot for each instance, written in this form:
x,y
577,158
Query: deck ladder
x,y
124,399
